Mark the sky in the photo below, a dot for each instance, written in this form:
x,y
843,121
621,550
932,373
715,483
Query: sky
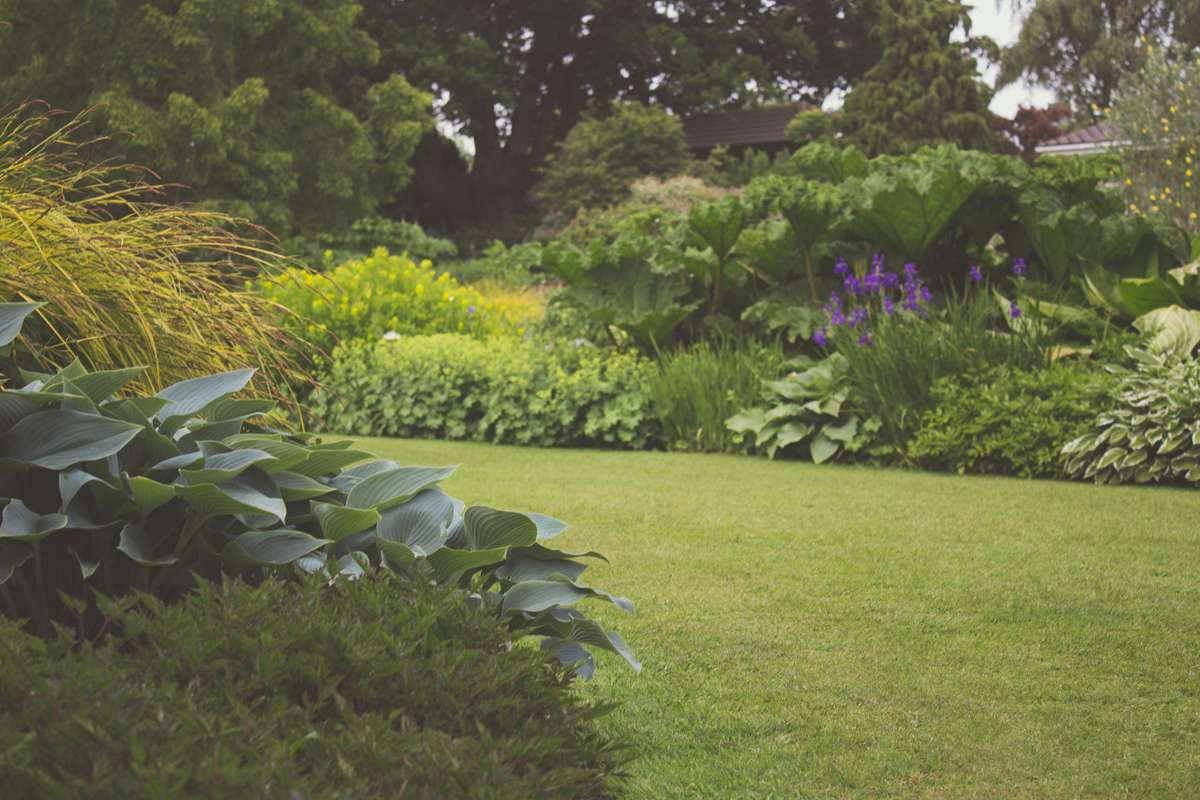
x,y
995,19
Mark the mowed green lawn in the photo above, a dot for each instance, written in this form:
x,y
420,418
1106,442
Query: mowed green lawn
x,y
848,632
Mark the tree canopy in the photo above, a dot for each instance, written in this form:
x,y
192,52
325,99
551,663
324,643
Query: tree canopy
x,y
263,108
925,89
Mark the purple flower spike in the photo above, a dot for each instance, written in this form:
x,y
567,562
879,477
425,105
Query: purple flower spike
x,y
820,338
1014,310
926,295
975,274
853,285
857,316
841,267
1019,269
910,270
891,279
865,340
837,318
889,307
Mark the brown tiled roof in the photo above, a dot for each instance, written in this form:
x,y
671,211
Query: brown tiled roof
x,y
740,127
1102,132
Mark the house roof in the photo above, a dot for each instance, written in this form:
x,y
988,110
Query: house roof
x,y
1091,139
740,126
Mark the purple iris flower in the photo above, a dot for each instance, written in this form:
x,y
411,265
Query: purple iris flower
x,y
857,316
865,340
820,338
841,267
853,285
926,295
1014,310
1019,269
910,270
889,307
891,279
837,317
975,274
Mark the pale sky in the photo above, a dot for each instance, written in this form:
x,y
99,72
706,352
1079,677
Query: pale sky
x,y
995,18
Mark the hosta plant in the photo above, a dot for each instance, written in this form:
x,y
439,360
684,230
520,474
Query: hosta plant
x,y
108,492
1152,433
811,409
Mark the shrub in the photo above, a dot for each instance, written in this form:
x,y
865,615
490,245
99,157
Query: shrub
x,y
696,389
368,233
499,390
814,408
125,280
388,688
1007,421
366,298
510,265
606,224
1151,431
602,156
153,493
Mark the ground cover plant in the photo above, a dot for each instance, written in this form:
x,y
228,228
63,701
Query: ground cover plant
x,y
377,687
914,635
114,492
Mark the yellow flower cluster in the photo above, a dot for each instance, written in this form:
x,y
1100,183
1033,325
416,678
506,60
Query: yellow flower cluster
x,y
383,295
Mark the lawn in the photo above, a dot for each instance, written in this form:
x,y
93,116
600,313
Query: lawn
x,y
849,632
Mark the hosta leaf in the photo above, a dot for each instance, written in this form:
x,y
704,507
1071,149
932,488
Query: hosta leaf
x,y
393,487
269,548
86,568
221,467
585,631
12,317
791,433
547,527
14,408
448,561
58,439
149,494
192,396
327,462
294,486
535,596
228,409
137,543
842,433
823,448
520,566
571,654
1110,457
750,421
488,527
422,524
338,522
24,525
71,481
252,492
182,461
12,556
286,454
99,386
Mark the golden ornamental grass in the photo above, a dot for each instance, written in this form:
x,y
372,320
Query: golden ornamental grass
x,y
128,280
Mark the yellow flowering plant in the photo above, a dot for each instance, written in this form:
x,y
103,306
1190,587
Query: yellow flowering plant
x,y
1156,115
386,295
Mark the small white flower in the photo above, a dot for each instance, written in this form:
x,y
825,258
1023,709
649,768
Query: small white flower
x,y
391,336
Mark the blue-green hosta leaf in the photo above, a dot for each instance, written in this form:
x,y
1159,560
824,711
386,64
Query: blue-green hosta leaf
x,y
349,478
24,525
582,630
571,654
541,595
750,421
842,433
181,461
422,524
393,487
71,481
294,486
547,527
321,462
448,561
137,543
286,454
792,432
99,386
58,439
823,448
353,565
224,466
270,548
488,527
86,568
190,397
338,522
12,556
520,566
228,409
252,492
12,317
149,494
14,408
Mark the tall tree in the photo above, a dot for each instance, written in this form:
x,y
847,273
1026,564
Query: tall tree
x,y
516,75
1081,48
263,108
925,89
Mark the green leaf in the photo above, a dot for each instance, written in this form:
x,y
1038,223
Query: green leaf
x,y
286,454
86,568
823,448
327,462
294,486
1173,330
99,386
136,543
192,396
252,492
571,654
393,487
269,548
449,561
14,408
535,596
521,566
338,522
149,494
488,528
58,439
23,525
749,421
421,524
547,527
12,556
842,433
221,467
12,317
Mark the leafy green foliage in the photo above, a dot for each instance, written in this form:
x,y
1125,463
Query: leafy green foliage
x,y
1006,421
367,234
698,388
497,390
926,88
1151,431
387,687
152,493
813,408
513,266
274,112
602,156
368,297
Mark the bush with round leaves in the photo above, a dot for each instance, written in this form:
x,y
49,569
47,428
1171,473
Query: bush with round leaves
x,y
121,493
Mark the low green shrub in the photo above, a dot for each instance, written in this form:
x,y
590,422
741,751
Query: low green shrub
x,y
367,234
513,265
377,687
366,298
813,408
1006,421
1150,433
502,390
696,389
122,493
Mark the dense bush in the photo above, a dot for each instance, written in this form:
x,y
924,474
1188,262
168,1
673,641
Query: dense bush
x,y
697,388
1007,421
513,265
1150,433
602,156
367,234
156,493
377,687
504,390
366,298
